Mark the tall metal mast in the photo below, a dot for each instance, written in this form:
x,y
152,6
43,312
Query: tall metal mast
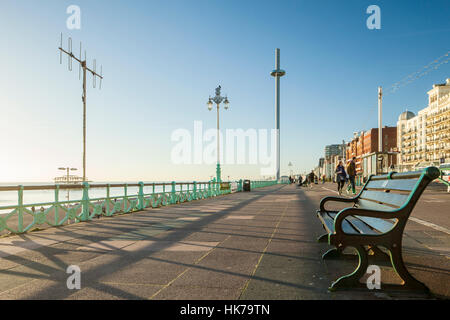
x,y
82,65
277,73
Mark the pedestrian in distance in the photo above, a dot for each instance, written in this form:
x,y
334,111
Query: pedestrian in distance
x,y
311,178
351,172
341,176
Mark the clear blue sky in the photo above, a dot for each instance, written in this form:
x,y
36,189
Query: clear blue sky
x,y
162,59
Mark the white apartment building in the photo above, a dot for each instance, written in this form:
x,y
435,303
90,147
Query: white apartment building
x,y
438,124
424,139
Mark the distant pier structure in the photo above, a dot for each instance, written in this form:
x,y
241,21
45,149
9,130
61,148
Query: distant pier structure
x,y
68,178
72,179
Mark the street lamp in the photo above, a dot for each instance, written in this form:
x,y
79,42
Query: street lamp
x,y
217,99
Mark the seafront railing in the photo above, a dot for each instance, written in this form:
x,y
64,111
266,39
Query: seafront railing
x,y
22,217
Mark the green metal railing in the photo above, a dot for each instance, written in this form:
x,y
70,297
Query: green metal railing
x,y
261,184
23,217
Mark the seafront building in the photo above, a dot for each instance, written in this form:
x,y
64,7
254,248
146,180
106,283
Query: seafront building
x,y
333,153
424,139
364,147
418,141
438,124
333,149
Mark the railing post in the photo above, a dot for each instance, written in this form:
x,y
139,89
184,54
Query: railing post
x,y
125,198
20,209
108,200
141,196
56,204
209,189
164,194
194,196
173,200
85,202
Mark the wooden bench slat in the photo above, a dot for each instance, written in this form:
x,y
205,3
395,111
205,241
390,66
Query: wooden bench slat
x,y
366,225
329,222
328,218
370,205
386,197
361,225
402,184
382,225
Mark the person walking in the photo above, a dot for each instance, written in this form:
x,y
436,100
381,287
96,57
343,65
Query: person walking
x,y
351,171
341,176
311,178
300,180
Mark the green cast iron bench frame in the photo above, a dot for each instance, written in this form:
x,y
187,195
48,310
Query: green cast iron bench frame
x,y
376,219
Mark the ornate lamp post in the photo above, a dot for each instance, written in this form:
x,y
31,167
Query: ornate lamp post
x,y
217,100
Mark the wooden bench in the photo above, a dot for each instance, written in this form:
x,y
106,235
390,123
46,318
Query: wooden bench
x,y
377,218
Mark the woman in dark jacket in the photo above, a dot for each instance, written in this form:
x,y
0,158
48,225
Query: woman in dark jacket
x,y
341,176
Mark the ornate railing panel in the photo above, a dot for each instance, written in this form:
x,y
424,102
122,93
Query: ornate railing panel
x,y
23,217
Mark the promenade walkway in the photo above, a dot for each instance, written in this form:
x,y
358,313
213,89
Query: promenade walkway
x,y
248,245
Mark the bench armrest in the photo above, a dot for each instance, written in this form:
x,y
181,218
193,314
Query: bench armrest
x,y
360,212
337,199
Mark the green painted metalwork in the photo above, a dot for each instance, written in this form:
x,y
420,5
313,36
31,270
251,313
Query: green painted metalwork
x,y
22,217
260,184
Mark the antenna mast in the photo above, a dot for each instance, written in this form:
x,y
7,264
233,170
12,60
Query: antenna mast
x,y
93,71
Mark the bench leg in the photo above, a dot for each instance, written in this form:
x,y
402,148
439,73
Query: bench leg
x,y
352,280
399,266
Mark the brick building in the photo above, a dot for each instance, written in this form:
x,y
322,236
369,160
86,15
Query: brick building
x,y
364,143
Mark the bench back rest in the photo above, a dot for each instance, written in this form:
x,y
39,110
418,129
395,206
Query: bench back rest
x,y
396,191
